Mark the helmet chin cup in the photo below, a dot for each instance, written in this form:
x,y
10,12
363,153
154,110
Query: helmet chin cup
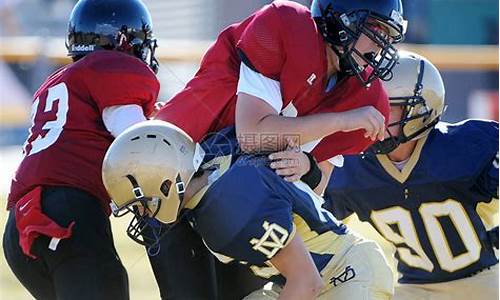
x,y
384,147
387,145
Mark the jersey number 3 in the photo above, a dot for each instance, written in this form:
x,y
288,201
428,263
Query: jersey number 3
x,y
45,133
407,239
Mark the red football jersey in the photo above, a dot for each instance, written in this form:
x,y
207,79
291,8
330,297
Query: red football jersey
x,y
275,41
68,139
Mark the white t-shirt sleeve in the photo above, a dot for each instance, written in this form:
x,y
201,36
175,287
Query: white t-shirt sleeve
x,y
337,161
120,117
260,86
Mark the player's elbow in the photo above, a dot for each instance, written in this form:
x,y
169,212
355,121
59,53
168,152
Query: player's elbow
x,y
248,137
247,147
253,135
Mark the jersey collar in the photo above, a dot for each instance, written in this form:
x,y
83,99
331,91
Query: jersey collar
x,y
402,176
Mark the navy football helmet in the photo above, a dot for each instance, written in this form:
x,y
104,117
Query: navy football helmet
x,y
342,22
123,25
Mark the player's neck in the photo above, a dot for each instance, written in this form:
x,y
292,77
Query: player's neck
x,y
332,61
402,152
194,186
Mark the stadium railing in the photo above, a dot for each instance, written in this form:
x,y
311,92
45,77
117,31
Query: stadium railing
x,y
447,57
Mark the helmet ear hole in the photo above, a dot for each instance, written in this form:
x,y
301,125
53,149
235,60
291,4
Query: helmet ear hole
x,y
165,187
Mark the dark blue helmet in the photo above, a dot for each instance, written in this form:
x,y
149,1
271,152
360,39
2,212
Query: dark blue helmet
x,y
341,22
123,25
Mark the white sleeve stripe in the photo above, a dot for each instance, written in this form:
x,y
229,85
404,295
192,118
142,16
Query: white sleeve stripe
x,y
119,117
260,86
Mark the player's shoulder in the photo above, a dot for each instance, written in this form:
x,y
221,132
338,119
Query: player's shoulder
x,y
288,13
374,95
114,62
239,209
474,133
52,80
291,8
472,143
352,84
474,128
221,144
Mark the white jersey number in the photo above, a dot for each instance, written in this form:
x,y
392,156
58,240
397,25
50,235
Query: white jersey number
x,y
407,234
53,128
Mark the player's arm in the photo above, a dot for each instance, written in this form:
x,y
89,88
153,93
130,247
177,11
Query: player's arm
x,y
484,133
294,262
257,118
117,118
487,181
337,201
326,168
492,178
124,90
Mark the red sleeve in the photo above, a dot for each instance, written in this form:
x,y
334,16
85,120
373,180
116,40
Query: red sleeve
x,y
260,45
354,142
115,78
207,103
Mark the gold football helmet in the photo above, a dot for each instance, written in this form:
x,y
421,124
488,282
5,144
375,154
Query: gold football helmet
x,y
146,171
418,87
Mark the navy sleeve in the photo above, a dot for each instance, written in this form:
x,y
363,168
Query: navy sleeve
x,y
487,182
337,203
487,137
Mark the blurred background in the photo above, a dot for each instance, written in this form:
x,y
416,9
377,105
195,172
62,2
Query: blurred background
x,y
459,36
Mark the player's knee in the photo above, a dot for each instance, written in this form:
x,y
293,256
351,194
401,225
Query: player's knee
x,y
383,281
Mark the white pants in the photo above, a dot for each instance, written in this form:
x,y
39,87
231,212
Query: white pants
x,y
360,273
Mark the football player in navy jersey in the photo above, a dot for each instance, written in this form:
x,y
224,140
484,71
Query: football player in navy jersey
x,y
431,190
57,239
244,212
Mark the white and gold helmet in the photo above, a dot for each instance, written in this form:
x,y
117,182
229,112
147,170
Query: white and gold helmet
x,y
146,171
418,87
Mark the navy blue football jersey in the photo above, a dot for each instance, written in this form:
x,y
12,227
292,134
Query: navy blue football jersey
x,y
440,211
249,213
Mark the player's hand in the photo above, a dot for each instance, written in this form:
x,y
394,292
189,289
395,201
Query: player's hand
x,y
291,163
367,118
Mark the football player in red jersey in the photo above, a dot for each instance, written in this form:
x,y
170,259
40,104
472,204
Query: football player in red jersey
x,y
287,72
58,239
